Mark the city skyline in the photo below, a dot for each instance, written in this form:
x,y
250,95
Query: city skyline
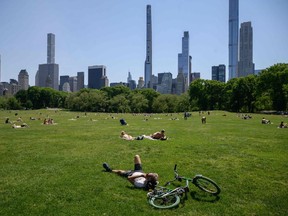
x,y
113,34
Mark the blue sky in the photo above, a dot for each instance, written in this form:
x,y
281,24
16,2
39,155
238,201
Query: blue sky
x,y
113,33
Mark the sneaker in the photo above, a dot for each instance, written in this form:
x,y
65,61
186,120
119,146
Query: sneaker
x,y
106,167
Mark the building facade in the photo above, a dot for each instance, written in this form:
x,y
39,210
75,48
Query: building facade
x,y
148,61
164,85
23,79
80,81
184,61
63,79
245,65
48,74
141,83
233,38
219,73
97,77
50,48
195,75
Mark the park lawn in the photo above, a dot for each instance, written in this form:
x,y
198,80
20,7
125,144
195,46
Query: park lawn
x,y
57,169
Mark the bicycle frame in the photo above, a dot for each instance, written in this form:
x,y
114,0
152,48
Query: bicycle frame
x,y
163,197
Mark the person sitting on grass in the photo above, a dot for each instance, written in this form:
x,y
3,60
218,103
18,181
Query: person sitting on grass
x,y
282,125
136,177
159,135
265,121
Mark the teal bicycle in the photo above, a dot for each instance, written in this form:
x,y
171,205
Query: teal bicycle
x,y
163,197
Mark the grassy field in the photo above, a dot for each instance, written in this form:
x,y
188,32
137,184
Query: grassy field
x,y
57,169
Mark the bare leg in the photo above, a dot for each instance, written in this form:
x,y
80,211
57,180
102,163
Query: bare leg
x,y
137,159
119,172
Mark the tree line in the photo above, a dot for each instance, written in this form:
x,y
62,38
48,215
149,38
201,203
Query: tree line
x,y
266,91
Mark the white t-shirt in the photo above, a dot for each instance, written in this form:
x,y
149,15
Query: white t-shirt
x,y
140,181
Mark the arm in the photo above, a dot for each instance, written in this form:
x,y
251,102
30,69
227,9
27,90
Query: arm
x,y
133,177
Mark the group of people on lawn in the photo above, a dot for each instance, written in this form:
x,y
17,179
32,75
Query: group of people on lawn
x,y
159,135
137,176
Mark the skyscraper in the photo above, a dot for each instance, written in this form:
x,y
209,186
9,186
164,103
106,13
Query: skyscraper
x,y
63,79
23,79
164,85
218,73
184,60
80,80
233,37
148,61
246,65
97,77
48,74
50,48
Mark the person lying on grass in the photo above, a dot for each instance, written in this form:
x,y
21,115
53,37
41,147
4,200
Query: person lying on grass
x,y
155,136
136,177
126,136
23,125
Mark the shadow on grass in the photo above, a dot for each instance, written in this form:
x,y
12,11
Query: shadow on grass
x,y
204,197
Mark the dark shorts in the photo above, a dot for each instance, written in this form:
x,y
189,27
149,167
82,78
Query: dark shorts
x,y
137,168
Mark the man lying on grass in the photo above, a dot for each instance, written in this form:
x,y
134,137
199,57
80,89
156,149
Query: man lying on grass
x,y
136,177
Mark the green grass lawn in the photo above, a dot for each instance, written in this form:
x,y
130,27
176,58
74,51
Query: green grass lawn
x,y
57,169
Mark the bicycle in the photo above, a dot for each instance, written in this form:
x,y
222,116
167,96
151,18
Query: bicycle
x,y
163,197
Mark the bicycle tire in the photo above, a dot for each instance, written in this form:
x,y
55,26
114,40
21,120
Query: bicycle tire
x,y
206,184
166,202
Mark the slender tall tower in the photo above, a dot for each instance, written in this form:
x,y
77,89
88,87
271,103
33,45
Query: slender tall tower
x,y
148,61
50,48
233,37
184,60
48,74
246,65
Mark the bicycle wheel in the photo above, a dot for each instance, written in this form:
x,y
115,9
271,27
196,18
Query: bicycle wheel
x,y
169,201
206,185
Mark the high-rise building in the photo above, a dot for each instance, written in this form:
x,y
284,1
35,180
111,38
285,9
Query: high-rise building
x,y
140,83
195,75
184,60
97,77
148,61
80,80
63,79
218,73
23,79
48,74
245,64
73,83
50,48
180,83
233,38
164,85
129,77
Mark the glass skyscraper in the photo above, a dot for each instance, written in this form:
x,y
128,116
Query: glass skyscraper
x,y
97,77
148,61
48,74
246,65
184,60
233,37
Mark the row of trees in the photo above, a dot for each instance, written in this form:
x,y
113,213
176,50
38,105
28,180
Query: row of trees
x,y
267,91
